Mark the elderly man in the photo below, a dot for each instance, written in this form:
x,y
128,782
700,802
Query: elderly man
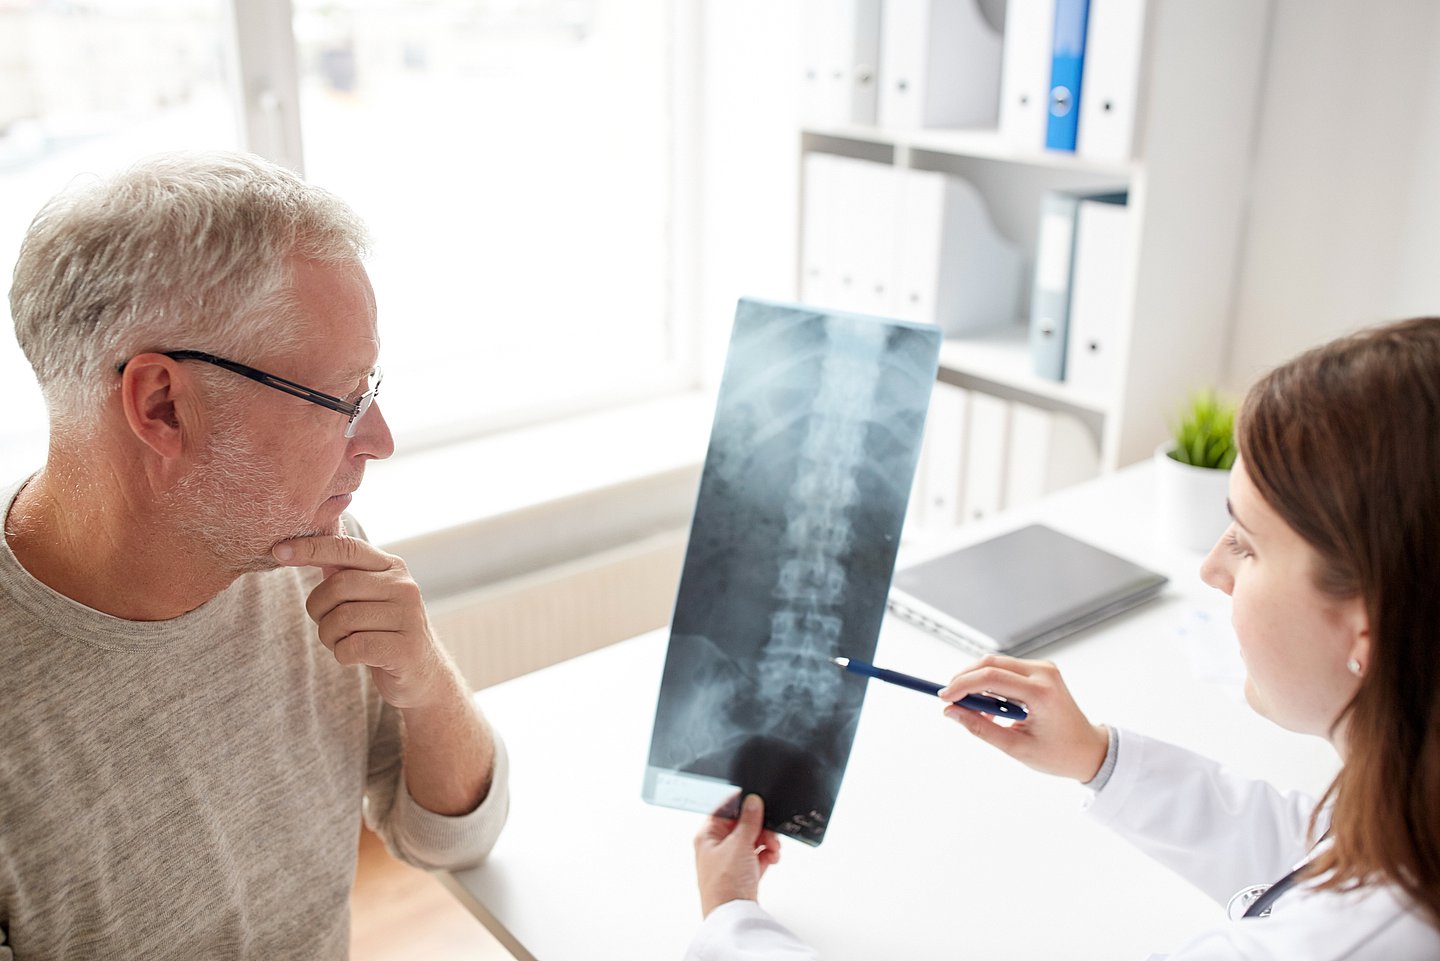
x,y
182,751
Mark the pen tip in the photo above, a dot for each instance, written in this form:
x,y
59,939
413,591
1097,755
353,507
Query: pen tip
x,y
840,661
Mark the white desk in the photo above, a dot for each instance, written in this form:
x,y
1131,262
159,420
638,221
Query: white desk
x,y
586,870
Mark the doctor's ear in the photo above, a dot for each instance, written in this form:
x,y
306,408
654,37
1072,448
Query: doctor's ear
x,y
1359,658
158,400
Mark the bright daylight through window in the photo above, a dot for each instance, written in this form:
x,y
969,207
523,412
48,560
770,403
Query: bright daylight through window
x,y
512,160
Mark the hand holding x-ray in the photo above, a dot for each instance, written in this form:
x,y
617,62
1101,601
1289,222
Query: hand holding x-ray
x,y
731,856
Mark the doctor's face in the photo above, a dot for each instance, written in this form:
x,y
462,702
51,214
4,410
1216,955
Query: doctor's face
x,y
1295,640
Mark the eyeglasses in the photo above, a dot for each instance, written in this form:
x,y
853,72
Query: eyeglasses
x,y
354,411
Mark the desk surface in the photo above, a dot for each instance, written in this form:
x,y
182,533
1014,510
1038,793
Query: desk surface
x,y
585,869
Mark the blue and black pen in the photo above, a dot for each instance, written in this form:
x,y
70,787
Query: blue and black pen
x,y
987,703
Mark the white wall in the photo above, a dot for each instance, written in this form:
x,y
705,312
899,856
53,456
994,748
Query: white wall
x,y
1344,225
1418,278
750,162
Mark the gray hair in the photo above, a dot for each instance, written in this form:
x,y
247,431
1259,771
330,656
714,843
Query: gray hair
x,y
181,251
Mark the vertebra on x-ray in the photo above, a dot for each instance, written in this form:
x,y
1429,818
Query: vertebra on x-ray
x,y
812,453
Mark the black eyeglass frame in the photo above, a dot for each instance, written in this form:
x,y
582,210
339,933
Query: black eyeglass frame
x,y
338,404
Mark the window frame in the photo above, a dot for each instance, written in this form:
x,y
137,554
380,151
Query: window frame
x,y
265,56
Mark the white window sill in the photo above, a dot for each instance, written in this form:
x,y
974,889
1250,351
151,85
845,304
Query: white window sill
x,y
471,513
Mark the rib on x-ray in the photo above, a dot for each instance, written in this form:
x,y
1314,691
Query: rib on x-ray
x,y
813,449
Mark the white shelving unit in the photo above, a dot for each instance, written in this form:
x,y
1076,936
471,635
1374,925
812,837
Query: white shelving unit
x,y
1201,74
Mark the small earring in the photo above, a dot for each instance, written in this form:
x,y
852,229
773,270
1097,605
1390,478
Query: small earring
x,y
1354,665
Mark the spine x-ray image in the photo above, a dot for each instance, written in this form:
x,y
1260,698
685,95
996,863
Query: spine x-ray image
x,y
812,453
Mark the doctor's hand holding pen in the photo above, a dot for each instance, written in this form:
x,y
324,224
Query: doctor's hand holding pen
x,y
1056,738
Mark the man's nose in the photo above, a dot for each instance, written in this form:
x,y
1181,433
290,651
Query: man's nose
x,y
373,439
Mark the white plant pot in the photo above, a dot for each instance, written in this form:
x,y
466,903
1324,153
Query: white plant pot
x,y
1191,502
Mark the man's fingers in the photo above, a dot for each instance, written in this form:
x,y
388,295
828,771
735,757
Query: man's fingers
x,y
335,551
355,616
356,586
370,648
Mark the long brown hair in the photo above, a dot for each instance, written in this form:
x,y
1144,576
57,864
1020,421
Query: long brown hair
x,y
1344,443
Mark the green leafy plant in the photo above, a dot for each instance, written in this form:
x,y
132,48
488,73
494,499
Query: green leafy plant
x,y
1205,435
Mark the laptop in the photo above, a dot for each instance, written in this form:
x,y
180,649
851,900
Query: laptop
x,y
1019,591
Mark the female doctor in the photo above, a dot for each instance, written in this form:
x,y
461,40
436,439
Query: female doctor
x,y
1333,565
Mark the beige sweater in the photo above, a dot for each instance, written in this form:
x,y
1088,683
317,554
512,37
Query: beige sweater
x,y
190,788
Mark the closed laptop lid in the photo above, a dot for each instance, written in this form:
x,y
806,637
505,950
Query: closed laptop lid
x,y
1022,587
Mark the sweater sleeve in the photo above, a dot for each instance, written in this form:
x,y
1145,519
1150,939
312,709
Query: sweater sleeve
x,y
1216,829
743,931
420,836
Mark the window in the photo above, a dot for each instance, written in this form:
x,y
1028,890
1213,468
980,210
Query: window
x,y
92,88
513,161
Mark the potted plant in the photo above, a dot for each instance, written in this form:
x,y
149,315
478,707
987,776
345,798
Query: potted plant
x,y
1193,472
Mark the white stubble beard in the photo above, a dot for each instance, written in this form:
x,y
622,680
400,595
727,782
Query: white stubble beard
x,y
233,503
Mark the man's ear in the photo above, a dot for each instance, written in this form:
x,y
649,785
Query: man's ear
x,y
153,394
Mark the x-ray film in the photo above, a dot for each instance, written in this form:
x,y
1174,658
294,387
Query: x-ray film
x,y
812,453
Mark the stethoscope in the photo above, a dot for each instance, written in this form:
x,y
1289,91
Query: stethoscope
x,y
1256,900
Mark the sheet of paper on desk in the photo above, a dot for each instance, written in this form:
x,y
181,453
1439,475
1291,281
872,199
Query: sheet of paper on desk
x,y
812,452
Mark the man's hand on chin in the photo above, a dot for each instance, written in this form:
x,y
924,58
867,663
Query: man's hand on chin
x,y
369,611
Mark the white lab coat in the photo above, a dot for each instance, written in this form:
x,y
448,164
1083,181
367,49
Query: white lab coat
x,y
1219,831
